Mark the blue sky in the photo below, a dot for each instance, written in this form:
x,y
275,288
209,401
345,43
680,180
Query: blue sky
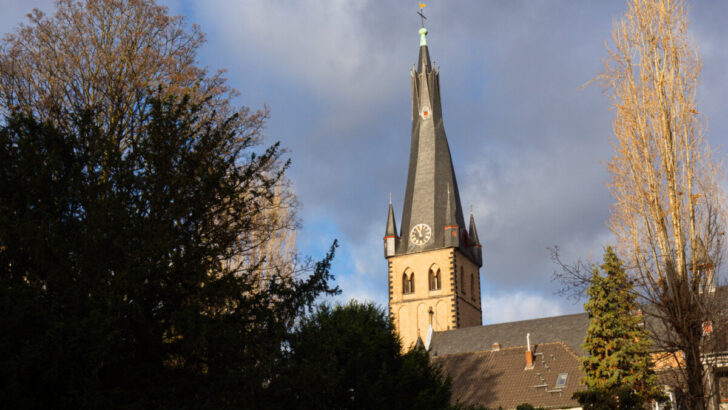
x,y
528,141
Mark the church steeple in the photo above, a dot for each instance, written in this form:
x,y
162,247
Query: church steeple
x,y
433,264
432,217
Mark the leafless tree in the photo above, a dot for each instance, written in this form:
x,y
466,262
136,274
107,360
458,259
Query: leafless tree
x,y
105,54
669,216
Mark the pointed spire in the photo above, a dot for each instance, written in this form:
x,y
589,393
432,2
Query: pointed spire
x,y
391,224
432,198
472,231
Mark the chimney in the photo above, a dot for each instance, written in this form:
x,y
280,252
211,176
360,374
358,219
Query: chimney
x,y
495,347
529,353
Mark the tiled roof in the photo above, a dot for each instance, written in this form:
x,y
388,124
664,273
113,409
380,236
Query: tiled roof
x,y
499,378
569,329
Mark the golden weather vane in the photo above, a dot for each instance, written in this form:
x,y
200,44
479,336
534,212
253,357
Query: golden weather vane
x,y
422,16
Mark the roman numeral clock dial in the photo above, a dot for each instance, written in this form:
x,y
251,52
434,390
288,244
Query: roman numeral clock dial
x,y
420,234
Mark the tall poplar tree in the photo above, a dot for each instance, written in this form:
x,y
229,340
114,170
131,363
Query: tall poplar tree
x,y
618,363
669,215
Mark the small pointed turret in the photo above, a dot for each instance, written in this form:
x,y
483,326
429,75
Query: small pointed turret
x,y
472,231
390,236
477,248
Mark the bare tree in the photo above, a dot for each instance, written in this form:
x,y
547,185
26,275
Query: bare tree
x,y
269,250
107,56
669,216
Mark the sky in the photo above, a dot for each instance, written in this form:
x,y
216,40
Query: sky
x,y
528,134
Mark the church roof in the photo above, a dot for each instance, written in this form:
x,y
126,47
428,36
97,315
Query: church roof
x,y
569,329
499,378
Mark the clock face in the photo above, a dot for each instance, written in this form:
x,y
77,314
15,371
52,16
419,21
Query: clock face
x,y
420,234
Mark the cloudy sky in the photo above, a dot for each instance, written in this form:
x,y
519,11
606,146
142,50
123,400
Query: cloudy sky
x,y
528,140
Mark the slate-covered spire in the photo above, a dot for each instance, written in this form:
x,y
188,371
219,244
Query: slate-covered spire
x,y
472,231
391,223
390,235
432,198
476,248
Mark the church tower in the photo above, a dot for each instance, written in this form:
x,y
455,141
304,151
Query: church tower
x,y
434,263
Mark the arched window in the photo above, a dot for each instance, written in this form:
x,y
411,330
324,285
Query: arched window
x,y
408,283
434,278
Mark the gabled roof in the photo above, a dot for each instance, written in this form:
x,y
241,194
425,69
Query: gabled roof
x,y
499,378
569,329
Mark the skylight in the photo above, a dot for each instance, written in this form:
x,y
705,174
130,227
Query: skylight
x,y
561,381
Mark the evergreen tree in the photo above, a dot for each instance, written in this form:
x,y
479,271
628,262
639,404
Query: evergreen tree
x,y
349,357
115,289
618,366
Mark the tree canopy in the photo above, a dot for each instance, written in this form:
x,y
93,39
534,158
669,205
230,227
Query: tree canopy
x,y
115,286
350,357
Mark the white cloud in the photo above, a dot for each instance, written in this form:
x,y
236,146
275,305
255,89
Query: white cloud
x,y
325,46
509,307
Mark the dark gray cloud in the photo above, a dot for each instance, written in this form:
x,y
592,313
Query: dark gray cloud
x,y
527,140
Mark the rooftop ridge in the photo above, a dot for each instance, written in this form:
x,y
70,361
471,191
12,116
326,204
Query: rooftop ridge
x,y
569,350
514,322
523,347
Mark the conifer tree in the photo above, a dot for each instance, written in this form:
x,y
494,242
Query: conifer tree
x,y
618,366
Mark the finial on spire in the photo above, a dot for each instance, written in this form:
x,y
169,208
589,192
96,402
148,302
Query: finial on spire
x,y
423,30
471,209
390,198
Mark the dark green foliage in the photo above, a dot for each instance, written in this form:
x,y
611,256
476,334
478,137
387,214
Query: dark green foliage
x,y
623,397
618,364
526,406
460,406
349,357
113,286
